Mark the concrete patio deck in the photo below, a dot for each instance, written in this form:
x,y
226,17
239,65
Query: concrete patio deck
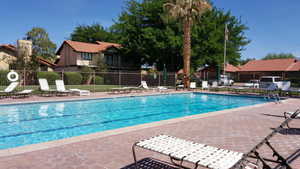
x,y
236,129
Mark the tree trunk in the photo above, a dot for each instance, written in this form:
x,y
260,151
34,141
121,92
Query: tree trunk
x,y
187,52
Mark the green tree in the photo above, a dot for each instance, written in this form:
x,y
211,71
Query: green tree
x,y
149,36
91,34
187,12
41,43
279,56
208,39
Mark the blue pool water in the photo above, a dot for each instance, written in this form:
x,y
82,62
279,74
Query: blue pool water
x,y
24,124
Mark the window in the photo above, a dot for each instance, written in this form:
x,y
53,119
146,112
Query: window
x,y
109,59
277,79
266,80
87,56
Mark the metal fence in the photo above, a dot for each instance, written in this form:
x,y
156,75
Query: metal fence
x,y
93,81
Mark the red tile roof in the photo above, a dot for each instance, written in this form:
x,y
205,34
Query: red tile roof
x,y
45,62
231,68
90,47
271,65
9,47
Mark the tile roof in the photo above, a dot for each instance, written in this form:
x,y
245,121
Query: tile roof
x,y
45,62
9,47
91,47
231,68
271,65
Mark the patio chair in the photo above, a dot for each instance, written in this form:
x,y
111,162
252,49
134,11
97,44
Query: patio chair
x,y
45,89
205,85
9,89
80,92
193,85
144,85
60,88
123,90
22,94
289,114
180,151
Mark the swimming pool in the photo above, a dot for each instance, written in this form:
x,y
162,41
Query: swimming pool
x,y
24,124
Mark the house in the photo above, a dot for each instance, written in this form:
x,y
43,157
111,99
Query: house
x,y
45,65
211,72
286,68
74,55
9,53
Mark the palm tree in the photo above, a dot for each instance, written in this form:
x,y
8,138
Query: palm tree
x,y
187,11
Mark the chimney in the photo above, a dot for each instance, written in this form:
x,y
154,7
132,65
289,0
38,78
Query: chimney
x,y
24,48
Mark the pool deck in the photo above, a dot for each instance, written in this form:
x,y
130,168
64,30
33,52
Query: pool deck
x,y
237,129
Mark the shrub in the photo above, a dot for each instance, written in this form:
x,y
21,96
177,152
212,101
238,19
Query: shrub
x,y
72,78
50,76
99,80
3,78
295,82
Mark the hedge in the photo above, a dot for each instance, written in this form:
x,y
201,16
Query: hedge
x,y
294,81
50,76
72,78
3,78
99,80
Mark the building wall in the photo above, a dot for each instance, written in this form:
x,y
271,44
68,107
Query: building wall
x,y
68,57
5,58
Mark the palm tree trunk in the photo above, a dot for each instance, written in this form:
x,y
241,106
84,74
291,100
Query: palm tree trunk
x,y
187,51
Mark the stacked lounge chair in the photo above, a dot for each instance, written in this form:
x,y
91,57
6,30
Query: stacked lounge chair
x,y
180,151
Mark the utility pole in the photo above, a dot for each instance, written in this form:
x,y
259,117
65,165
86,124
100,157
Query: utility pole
x,y
225,47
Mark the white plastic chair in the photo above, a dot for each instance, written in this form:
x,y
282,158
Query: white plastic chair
x,y
193,85
205,85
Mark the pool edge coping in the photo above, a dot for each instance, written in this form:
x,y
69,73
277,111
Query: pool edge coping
x,y
102,134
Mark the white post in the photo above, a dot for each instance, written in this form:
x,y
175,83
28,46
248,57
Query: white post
x,y
225,47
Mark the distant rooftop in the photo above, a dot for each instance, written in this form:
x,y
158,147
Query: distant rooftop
x,y
89,47
271,65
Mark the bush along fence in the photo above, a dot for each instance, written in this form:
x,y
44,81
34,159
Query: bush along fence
x,y
93,81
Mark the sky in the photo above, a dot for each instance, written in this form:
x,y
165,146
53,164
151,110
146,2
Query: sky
x,y
273,24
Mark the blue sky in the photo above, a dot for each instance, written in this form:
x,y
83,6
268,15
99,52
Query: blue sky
x,y
273,25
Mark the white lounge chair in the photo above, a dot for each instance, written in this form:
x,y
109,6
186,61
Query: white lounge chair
x,y
289,114
22,94
9,89
60,87
159,88
205,85
44,87
181,151
80,92
193,85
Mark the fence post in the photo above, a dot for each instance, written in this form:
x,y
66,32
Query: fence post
x,y
94,79
62,75
119,78
175,79
24,78
159,75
